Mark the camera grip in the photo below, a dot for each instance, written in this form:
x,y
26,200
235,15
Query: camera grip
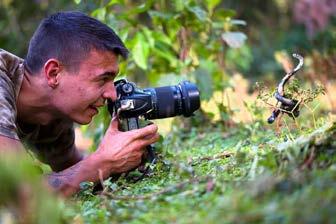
x,y
132,123
128,124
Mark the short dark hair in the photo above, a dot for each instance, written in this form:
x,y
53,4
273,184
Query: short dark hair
x,y
69,37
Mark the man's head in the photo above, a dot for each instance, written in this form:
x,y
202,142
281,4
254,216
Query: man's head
x,y
69,37
75,58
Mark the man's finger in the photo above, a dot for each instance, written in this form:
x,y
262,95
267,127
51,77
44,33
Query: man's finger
x,y
146,131
147,141
140,144
114,124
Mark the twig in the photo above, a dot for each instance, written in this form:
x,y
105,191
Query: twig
x,y
101,179
278,123
209,158
313,114
309,160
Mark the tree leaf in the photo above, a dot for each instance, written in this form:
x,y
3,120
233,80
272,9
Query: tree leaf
x,y
160,15
112,2
199,12
204,79
100,13
149,36
211,4
222,14
234,39
238,22
141,51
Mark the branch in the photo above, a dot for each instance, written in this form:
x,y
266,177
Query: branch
x,y
209,158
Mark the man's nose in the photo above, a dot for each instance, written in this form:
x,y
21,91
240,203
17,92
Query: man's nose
x,y
110,92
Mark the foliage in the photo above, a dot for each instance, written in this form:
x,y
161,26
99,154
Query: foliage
x,y
19,19
207,172
23,196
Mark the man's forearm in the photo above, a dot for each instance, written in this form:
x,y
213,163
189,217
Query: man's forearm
x,y
69,158
67,181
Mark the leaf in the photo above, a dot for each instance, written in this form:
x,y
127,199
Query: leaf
x,y
204,80
100,13
160,15
141,8
178,4
198,12
149,36
234,39
77,1
211,4
165,52
223,14
238,22
112,2
141,51
162,37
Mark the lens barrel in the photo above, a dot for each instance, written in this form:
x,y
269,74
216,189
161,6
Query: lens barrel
x,y
169,101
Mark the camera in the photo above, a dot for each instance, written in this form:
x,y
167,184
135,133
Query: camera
x,y
134,105
153,103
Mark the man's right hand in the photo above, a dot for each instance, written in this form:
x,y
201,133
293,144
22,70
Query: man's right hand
x,y
122,151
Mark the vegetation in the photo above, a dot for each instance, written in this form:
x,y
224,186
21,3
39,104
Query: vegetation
x,y
225,164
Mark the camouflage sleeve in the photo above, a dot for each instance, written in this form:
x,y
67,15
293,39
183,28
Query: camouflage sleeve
x,y
7,107
53,144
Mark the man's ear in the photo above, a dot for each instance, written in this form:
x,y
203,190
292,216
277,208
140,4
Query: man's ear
x,y
52,69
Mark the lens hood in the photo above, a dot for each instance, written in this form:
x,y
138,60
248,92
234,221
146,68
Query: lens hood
x,y
190,97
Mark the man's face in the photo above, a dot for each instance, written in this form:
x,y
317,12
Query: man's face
x,y
80,93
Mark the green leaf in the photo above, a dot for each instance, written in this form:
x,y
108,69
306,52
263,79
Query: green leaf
x,y
160,15
149,36
99,13
223,14
113,2
179,5
240,59
204,79
165,52
198,12
141,51
141,8
123,34
234,39
161,37
211,4
77,1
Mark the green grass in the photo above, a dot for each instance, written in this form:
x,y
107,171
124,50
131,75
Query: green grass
x,y
246,175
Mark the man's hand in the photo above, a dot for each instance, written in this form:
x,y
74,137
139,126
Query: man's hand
x,y
124,150
118,152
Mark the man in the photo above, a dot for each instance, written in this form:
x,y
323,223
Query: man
x,y
68,73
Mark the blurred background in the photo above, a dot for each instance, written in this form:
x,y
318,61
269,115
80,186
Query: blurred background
x,y
226,47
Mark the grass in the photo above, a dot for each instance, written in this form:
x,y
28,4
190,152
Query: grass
x,y
246,174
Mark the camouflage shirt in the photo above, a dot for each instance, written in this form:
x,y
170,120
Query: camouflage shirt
x,y
52,143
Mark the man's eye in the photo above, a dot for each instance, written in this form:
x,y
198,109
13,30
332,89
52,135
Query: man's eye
x,y
105,80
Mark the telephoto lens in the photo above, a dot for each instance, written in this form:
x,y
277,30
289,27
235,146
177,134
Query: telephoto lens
x,y
155,103
169,101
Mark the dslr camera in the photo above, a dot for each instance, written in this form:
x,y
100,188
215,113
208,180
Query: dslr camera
x,y
134,104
